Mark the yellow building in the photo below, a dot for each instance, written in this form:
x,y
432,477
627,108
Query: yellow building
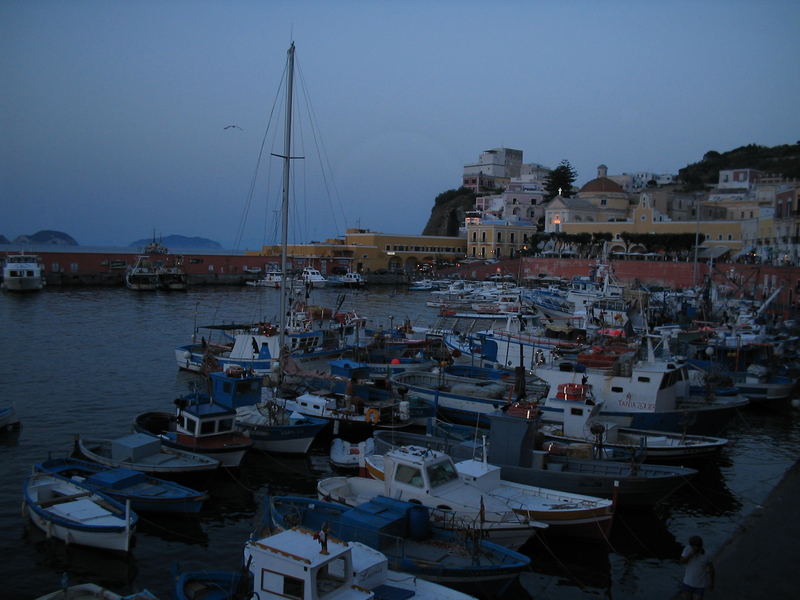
x,y
497,238
645,219
363,251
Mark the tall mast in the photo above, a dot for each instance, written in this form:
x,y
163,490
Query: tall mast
x,y
287,153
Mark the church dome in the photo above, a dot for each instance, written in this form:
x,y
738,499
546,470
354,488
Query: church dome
x,y
602,185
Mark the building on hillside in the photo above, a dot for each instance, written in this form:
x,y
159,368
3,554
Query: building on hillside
x,y
644,218
366,251
494,170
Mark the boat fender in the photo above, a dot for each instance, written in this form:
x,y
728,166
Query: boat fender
x,y
373,415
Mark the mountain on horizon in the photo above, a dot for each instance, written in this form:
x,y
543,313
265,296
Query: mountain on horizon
x,y
45,237
179,242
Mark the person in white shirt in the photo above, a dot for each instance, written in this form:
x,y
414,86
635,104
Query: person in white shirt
x,y
699,575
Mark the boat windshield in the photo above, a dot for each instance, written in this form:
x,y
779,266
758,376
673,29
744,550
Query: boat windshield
x,y
441,473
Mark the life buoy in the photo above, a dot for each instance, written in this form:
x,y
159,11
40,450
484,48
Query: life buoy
x,y
372,415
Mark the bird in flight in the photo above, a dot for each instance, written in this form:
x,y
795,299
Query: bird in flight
x,y
233,127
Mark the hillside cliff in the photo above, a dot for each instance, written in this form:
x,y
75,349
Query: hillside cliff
x,y
448,211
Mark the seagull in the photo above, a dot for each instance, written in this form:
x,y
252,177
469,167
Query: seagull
x,y
233,127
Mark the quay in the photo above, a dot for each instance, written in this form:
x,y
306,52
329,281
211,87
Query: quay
x,y
758,561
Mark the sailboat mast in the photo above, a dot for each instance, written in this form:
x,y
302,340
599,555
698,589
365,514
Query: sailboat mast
x,y
287,153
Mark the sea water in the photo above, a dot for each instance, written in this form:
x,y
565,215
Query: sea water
x,y
86,361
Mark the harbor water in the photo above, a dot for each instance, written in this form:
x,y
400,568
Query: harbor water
x,y
86,361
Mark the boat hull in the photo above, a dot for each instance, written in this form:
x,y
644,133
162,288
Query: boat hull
x,y
77,515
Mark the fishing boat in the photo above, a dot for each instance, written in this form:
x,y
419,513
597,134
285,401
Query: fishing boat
x,y
269,425
312,278
349,279
172,277
272,279
403,532
93,591
462,398
582,422
256,346
514,445
22,273
143,275
650,393
9,421
145,453
295,563
349,455
429,477
76,514
347,410
576,515
201,426
145,493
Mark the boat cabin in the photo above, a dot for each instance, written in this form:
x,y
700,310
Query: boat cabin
x,y
417,470
291,564
234,388
197,418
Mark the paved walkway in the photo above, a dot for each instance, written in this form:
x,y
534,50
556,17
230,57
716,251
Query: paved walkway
x,y
762,560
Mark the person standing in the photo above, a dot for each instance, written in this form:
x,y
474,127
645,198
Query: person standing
x,y
699,575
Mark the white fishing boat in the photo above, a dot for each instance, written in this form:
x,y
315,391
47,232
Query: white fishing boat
x,y
143,275
312,277
93,591
566,513
272,279
417,474
142,452
22,273
331,569
76,514
582,422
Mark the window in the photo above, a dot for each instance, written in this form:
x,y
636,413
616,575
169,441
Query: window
x,y
408,475
603,202
210,268
730,237
644,379
207,427
483,236
499,236
511,239
616,389
190,425
441,473
72,267
474,236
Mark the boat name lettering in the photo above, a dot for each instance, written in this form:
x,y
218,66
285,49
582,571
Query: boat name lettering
x,y
636,404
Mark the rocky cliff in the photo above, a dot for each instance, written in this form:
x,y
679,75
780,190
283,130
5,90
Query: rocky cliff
x,y
448,211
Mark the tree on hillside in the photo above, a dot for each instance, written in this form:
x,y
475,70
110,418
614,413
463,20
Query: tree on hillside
x,y
562,177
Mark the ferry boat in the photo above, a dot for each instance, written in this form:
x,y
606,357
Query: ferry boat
x,y
22,273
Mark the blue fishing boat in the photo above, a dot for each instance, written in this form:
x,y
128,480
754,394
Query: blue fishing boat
x,y
403,532
269,425
146,493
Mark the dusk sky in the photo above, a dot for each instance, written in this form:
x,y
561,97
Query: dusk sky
x,y
113,115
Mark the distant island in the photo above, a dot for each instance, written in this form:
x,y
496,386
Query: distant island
x,y
48,237
44,237
179,242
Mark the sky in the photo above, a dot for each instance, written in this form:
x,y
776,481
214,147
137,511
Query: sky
x,y
114,115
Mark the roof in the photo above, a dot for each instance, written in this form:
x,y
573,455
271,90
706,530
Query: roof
x,y
602,184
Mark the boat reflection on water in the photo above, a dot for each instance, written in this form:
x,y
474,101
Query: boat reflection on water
x,y
183,528
707,494
114,570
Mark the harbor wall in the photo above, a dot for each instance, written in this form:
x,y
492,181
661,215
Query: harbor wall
x,y
108,268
